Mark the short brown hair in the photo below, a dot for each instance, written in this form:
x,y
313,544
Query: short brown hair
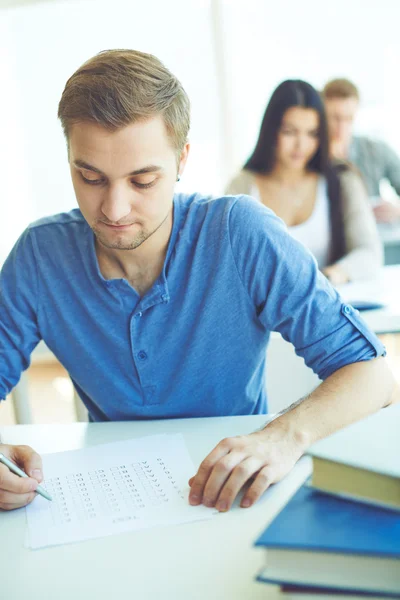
x,y
340,88
118,87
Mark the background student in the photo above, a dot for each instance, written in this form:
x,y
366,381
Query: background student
x,y
324,204
374,158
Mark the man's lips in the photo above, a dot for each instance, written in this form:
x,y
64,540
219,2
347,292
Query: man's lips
x,y
117,227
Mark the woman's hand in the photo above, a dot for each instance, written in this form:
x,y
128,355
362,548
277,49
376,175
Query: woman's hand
x,y
386,212
335,274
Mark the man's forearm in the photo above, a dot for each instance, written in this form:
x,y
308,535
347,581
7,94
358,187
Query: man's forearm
x,y
349,394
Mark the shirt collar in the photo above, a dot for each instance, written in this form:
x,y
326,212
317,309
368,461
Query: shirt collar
x,y
160,289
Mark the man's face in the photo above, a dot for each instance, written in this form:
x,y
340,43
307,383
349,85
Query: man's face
x,y
124,180
341,113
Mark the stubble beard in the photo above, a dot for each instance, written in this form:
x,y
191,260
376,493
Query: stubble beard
x,y
132,244
121,244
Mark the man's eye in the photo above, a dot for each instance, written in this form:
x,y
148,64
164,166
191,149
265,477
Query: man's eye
x,y
143,186
97,181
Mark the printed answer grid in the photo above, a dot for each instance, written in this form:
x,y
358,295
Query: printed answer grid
x,y
112,492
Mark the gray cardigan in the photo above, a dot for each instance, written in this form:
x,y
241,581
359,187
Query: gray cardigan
x,y
364,255
376,161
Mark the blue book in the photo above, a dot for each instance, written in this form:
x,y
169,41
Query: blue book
x,y
294,592
319,540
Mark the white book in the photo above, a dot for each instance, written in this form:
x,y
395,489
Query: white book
x,y
362,461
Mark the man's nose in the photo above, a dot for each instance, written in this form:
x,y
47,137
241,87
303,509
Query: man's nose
x,y
117,204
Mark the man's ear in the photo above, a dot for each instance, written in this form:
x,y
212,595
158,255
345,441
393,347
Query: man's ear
x,y
183,158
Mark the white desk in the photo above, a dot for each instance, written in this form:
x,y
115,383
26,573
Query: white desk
x,y
211,560
384,289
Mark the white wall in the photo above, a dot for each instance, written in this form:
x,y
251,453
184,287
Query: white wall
x,y
42,45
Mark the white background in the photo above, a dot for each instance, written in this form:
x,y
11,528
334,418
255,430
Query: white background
x,y
228,54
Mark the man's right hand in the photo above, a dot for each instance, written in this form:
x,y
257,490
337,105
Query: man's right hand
x,y
18,491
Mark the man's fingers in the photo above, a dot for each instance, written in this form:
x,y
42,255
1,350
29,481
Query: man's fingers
x,y
16,491
10,482
261,483
15,500
28,460
19,502
239,476
200,479
221,472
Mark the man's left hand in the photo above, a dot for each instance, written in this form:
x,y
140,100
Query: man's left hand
x,y
264,456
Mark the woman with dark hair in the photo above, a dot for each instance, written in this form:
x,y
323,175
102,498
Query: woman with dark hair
x,y
324,204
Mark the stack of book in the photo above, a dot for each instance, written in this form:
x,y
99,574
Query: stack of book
x,y
339,536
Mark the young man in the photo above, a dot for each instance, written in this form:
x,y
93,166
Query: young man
x,y
161,305
375,159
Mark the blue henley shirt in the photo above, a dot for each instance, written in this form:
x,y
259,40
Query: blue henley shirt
x,y
195,344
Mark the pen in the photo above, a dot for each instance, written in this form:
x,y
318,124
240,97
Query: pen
x,y
39,490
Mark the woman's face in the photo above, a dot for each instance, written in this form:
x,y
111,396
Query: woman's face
x,y
298,138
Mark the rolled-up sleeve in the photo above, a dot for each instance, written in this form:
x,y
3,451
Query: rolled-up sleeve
x,y
19,332
291,295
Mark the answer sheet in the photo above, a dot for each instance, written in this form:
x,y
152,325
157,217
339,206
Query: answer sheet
x,y
113,488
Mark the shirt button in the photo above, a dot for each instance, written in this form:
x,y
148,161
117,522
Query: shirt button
x,y
139,314
164,297
348,310
142,355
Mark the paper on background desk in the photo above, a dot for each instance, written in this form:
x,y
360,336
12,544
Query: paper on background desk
x,y
112,488
384,288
